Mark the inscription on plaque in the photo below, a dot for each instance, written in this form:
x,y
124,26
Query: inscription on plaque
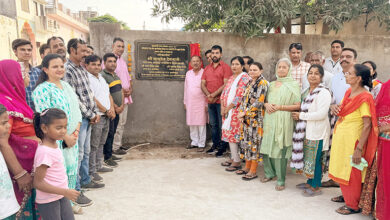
x,y
163,61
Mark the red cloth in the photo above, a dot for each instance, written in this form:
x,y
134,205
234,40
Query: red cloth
x,y
214,77
20,128
348,106
194,51
351,192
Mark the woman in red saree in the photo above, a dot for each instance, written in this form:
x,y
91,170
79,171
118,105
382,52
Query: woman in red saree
x,y
22,143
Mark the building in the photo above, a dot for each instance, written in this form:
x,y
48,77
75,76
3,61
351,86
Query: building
x,y
8,28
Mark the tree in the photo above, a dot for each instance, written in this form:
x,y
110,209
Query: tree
x,y
107,18
251,18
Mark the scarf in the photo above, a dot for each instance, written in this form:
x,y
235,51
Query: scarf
x,y
12,91
230,98
348,106
382,104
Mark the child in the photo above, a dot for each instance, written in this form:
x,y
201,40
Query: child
x,y
8,204
50,178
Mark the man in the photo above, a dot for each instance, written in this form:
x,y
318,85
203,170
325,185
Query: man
x,y
214,79
339,86
195,105
118,48
307,57
90,50
57,46
300,68
23,52
248,61
118,95
208,56
319,59
332,64
106,111
44,50
77,77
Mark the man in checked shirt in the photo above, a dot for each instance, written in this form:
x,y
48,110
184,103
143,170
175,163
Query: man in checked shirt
x,y
300,68
77,77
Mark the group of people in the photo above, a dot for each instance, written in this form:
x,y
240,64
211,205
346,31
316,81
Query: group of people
x,y
61,126
330,116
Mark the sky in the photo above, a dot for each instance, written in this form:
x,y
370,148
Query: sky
x,y
135,13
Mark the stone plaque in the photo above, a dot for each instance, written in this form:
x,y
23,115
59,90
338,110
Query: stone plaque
x,y
161,60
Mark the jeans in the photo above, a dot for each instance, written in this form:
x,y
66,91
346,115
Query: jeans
x,y
84,150
216,126
98,138
107,149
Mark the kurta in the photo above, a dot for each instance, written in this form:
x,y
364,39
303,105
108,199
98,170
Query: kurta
x,y
194,99
345,137
252,127
48,95
232,135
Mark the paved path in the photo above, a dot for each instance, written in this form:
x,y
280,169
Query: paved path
x,y
201,189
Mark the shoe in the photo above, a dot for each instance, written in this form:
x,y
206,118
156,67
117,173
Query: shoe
x,y
125,148
104,170
200,149
111,163
119,152
211,151
97,178
116,158
93,185
83,201
219,153
77,210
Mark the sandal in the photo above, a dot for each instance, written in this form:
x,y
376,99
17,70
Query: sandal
x,y
265,179
247,177
241,172
310,193
279,188
233,168
301,186
338,199
345,210
329,183
226,164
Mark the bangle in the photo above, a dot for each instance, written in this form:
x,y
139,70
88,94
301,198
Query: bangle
x,y
281,108
359,149
20,175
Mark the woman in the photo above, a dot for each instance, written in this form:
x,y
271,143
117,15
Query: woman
x,y
22,143
283,97
251,116
355,138
312,132
376,84
52,92
230,103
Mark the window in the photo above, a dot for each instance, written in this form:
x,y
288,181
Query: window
x,y
42,10
36,8
25,5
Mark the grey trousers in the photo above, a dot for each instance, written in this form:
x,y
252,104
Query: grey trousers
x,y
57,210
98,139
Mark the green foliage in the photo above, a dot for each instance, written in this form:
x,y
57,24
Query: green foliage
x,y
251,18
107,18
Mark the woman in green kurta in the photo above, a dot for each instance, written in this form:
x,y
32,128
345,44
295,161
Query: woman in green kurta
x,y
282,98
52,92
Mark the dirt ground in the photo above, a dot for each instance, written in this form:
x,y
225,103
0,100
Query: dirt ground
x,y
171,182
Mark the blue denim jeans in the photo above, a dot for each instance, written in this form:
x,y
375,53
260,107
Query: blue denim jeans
x,y
84,150
216,125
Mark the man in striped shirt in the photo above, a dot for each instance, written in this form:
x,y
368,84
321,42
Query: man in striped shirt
x,y
300,68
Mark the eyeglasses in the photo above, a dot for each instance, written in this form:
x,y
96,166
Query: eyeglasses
x,y
297,46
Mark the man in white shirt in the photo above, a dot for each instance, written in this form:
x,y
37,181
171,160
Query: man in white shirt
x,y
318,58
300,68
332,64
106,111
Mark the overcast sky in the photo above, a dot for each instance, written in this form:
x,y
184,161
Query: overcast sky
x,y
134,12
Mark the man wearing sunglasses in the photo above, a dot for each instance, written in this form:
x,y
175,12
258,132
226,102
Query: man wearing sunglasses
x,y
300,68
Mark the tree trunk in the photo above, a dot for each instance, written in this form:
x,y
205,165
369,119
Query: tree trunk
x,y
325,29
288,26
303,24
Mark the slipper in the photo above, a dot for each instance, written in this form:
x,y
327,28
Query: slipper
x,y
200,149
329,183
233,168
301,186
280,188
310,193
241,172
265,179
247,177
345,210
226,164
338,199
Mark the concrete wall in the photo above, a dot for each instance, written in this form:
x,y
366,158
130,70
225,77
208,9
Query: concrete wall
x,y
157,114
8,33
8,8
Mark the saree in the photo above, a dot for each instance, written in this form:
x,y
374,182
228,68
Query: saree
x,y
13,97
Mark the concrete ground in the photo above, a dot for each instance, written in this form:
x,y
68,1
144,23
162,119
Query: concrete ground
x,y
199,188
